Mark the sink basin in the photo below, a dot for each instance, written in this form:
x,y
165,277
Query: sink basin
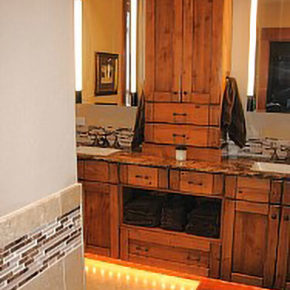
x,y
271,167
87,150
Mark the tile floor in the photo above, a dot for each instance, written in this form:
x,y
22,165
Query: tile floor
x,y
106,276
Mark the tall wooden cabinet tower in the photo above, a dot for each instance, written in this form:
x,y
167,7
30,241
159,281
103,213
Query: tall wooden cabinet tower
x,y
188,44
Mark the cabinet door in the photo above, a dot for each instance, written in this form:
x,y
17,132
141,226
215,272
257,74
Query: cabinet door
x,y
163,50
250,238
101,218
283,260
202,51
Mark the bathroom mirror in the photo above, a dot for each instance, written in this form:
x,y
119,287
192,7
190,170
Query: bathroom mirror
x,y
261,54
272,81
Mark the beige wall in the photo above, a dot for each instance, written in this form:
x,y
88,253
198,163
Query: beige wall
x,y
37,101
102,32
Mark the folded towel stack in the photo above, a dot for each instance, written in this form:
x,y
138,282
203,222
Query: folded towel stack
x,y
145,211
204,220
173,215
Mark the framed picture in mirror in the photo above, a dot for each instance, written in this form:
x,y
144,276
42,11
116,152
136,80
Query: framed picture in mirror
x,y
106,82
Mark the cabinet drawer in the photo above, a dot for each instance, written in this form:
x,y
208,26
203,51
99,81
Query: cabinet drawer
x,y
182,114
253,189
182,134
196,182
173,251
144,176
100,171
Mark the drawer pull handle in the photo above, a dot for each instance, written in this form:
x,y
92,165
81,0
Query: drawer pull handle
x,y
142,177
195,183
274,216
197,259
175,93
178,135
185,93
286,218
140,249
179,114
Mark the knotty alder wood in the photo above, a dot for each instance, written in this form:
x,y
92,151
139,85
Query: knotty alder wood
x,y
101,171
144,176
253,189
101,218
202,115
97,218
80,169
196,182
168,151
182,134
163,50
254,243
283,255
286,193
206,53
169,250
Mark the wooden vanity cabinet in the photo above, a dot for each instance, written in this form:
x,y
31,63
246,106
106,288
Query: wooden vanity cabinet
x,y
187,50
282,279
250,240
171,250
197,182
101,218
145,176
100,206
163,50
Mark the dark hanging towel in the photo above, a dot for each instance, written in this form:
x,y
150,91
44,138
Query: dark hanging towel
x,y
139,125
233,122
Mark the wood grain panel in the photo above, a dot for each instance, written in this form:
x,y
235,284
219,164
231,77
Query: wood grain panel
x,y
163,50
193,153
80,169
180,114
205,183
286,193
253,189
142,176
228,221
97,219
283,255
182,134
96,171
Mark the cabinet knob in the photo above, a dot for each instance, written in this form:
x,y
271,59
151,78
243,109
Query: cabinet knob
x,y
286,218
185,93
274,216
175,93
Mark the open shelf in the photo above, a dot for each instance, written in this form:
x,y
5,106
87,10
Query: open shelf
x,y
171,213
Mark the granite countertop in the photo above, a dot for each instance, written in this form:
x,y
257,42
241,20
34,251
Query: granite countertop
x,y
239,166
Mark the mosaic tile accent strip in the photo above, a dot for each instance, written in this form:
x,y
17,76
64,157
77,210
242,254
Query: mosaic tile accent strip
x,y
260,147
119,138
25,258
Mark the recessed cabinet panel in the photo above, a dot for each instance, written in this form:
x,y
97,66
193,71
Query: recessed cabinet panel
x,y
184,134
252,230
163,50
202,115
97,216
282,280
